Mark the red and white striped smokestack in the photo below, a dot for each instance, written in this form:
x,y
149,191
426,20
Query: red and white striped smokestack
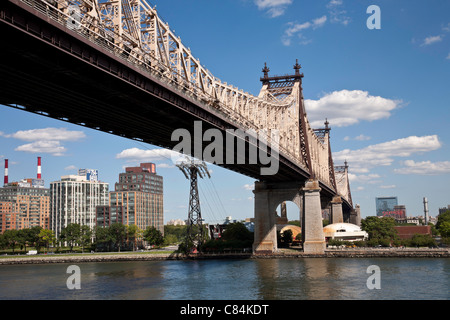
x,y
39,168
5,181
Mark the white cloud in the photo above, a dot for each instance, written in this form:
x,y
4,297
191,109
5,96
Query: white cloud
x,y
46,140
424,168
52,147
348,107
319,22
152,155
431,39
361,137
249,187
392,186
286,41
295,29
383,154
264,4
448,57
446,28
47,134
70,168
369,178
275,8
337,14
333,3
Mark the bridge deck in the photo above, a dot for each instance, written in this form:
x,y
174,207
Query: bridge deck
x,y
47,69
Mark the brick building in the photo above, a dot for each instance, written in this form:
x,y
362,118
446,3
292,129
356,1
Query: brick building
x,y
24,206
407,232
137,199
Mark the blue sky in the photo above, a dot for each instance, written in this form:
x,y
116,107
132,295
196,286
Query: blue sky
x,y
385,92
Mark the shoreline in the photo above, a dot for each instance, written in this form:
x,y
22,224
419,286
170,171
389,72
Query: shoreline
x,y
282,254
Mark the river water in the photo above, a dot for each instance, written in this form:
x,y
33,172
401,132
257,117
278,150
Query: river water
x,y
247,279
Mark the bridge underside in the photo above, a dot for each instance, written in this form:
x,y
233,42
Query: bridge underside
x,y
49,70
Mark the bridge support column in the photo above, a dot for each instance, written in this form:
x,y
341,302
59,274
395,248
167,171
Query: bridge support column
x,y
336,210
265,221
267,198
312,228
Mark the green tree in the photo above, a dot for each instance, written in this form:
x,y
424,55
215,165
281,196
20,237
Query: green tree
x,y
286,238
85,237
47,237
237,231
237,236
133,232
443,221
178,231
380,230
444,229
170,239
118,233
103,237
186,246
153,236
422,240
3,242
33,237
71,234
22,238
10,238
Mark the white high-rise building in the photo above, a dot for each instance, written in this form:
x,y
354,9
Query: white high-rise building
x,y
74,200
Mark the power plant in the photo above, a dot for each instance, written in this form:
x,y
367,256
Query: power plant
x,y
38,182
24,203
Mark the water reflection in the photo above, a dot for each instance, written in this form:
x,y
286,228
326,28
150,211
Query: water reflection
x,y
299,279
122,280
252,279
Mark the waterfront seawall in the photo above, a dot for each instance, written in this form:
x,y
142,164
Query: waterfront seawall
x,y
289,254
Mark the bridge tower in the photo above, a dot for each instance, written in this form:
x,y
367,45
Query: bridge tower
x,y
195,234
311,151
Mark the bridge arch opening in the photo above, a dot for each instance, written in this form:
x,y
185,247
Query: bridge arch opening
x,y
288,211
288,219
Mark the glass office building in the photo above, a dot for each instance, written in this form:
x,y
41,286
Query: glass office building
x,y
385,205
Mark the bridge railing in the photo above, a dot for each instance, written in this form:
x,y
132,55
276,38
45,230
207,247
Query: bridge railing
x,y
149,64
238,107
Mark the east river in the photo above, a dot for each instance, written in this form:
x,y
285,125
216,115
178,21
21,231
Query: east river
x,y
243,279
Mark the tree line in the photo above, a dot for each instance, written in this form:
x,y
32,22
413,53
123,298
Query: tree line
x,y
113,238
118,237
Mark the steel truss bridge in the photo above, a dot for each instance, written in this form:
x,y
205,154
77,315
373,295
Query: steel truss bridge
x,y
117,67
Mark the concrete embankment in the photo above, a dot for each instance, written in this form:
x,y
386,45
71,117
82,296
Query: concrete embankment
x,y
384,253
333,253
44,259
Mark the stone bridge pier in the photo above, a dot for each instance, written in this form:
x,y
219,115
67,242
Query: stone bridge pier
x,y
306,196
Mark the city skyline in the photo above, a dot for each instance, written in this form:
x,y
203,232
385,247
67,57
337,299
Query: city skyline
x,y
384,92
